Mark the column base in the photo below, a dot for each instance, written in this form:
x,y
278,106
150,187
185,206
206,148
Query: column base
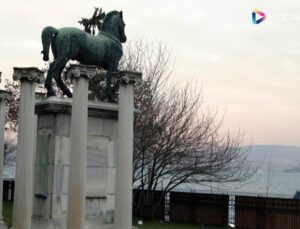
x,y
3,224
62,224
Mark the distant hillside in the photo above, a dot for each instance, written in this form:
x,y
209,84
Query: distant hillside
x,y
275,157
295,169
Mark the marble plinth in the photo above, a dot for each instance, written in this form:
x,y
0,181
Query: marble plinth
x,y
53,163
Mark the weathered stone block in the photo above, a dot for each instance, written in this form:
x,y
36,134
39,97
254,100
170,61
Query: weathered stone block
x,y
97,152
53,160
62,150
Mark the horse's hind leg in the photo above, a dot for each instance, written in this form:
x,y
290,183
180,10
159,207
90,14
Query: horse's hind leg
x,y
58,66
63,87
48,82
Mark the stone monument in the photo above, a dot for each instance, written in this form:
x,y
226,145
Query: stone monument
x,y
50,207
82,150
53,152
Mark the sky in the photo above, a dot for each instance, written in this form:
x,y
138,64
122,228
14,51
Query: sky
x,y
248,73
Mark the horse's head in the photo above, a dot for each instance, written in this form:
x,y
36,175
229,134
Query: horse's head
x,y
113,23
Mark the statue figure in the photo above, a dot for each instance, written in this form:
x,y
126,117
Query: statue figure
x,y
103,50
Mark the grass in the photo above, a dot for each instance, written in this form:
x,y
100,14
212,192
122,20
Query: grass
x,y
7,212
166,225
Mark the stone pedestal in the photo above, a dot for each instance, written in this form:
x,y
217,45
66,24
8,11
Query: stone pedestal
x,y
123,216
52,164
4,96
24,166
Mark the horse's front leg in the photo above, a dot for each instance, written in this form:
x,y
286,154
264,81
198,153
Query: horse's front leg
x,y
108,86
111,92
108,91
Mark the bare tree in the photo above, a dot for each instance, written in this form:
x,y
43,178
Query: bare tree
x,y
175,141
10,147
11,121
12,106
269,175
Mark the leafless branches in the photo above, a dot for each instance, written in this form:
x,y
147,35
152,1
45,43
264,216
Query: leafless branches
x,y
96,20
175,142
10,147
12,106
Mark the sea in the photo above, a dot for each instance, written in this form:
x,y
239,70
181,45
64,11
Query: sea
x,y
266,183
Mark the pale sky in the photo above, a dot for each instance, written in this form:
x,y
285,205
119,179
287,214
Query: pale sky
x,y
249,72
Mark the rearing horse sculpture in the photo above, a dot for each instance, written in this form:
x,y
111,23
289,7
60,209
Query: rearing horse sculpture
x,y
104,50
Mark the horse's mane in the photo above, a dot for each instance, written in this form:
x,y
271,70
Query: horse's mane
x,y
107,20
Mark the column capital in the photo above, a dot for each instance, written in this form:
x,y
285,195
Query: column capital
x,y
5,95
31,74
39,95
128,77
80,70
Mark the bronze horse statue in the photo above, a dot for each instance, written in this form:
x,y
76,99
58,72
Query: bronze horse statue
x,y
103,50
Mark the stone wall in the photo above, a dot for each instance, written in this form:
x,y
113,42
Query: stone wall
x,y
53,160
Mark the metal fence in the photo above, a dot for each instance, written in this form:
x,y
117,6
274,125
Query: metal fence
x,y
8,190
185,207
145,210
244,210
266,213
208,209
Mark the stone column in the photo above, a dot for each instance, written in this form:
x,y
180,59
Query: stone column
x,y
4,96
77,183
123,209
24,167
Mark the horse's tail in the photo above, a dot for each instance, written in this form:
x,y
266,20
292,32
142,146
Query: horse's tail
x,y
47,35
